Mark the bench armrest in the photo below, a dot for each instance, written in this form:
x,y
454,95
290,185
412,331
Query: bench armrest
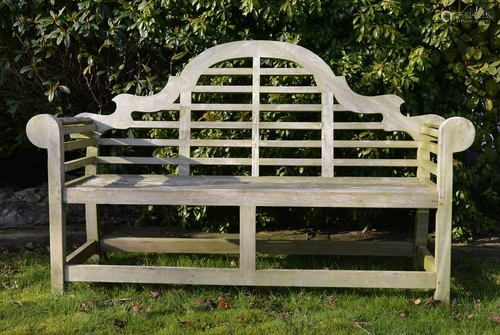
x,y
456,134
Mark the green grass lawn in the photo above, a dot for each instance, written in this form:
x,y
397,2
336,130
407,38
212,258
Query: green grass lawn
x,y
27,307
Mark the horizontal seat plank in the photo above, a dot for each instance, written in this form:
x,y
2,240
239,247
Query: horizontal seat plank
x,y
260,191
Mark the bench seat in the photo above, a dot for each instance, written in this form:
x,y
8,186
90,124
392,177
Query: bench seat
x,y
258,191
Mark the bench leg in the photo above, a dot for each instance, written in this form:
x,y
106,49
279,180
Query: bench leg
x,y
92,220
57,246
443,253
421,234
247,238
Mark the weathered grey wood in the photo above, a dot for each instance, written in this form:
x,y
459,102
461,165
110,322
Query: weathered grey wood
x,y
221,143
425,258
434,123
357,125
138,142
455,134
66,121
430,131
46,131
285,72
327,134
236,191
232,246
291,125
247,238
421,233
78,163
430,146
184,134
222,107
79,128
223,89
290,89
221,125
228,72
222,276
83,253
255,116
290,108
135,160
78,144
429,166
452,135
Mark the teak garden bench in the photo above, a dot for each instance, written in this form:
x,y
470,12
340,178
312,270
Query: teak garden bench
x,y
248,80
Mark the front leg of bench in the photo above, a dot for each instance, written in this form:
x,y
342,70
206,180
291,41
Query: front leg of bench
x,y
45,131
455,134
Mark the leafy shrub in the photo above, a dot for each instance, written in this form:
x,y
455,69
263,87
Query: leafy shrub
x,y
68,57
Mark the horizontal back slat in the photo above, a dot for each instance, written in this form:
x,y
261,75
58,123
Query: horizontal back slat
x,y
135,160
223,89
221,143
285,72
291,125
429,166
290,89
78,163
430,131
139,142
228,72
220,125
357,125
84,128
79,143
376,144
432,147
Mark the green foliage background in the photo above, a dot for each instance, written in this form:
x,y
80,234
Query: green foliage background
x,y
69,57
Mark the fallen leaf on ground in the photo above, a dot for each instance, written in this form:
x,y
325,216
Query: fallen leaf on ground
x,y
137,309
187,323
470,316
495,318
332,298
477,303
223,304
19,303
30,245
155,294
403,313
417,301
455,302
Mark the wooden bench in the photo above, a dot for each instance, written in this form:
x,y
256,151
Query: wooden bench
x,y
247,98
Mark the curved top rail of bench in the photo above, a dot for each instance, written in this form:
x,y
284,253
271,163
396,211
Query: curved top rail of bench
x,y
387,105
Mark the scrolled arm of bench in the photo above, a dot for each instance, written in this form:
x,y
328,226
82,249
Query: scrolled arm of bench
x,y
43,129
456,134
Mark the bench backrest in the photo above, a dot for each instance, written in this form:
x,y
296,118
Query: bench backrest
x,y
246,98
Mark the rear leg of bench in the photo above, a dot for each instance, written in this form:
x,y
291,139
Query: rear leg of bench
x,y
92,221
421,234
247,238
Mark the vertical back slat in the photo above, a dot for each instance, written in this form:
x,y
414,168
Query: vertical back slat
x,y
184,133
327,134
255,116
